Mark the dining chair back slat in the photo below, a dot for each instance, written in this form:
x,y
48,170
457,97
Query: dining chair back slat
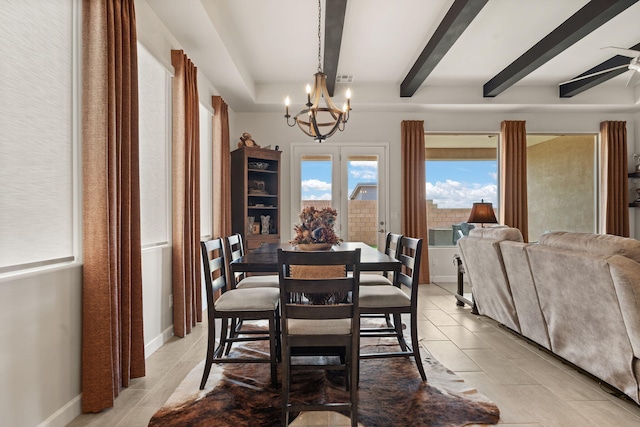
x,y
235,250
393,301
320,316
228,305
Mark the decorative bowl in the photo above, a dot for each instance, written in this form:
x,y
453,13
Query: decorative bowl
x,y
308,247
258,165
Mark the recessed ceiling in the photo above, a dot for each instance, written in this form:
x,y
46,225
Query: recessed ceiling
x,y
255,53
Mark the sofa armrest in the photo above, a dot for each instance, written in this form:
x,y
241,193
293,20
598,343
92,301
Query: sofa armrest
x,y
626,279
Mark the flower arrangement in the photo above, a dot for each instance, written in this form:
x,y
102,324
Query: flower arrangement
x,y
316,226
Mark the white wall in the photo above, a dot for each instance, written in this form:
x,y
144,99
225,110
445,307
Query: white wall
x,y
40,313
40,339
270,128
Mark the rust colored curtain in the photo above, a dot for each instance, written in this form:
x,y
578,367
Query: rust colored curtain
x,y
513,147
112,329
615,186
414,197
187,290
221,169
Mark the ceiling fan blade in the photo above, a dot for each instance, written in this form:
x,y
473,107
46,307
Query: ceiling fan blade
x,y
634,78
595,74
624,52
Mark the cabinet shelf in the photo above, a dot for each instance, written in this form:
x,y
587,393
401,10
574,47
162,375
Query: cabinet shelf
x,y
245,181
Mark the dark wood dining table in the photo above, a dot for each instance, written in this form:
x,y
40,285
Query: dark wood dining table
x,y
265,258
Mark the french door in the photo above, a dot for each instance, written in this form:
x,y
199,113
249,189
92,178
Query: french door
x,y
349,178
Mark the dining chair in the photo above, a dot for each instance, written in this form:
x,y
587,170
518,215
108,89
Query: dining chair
x,y
392,247
235,249
395,301
320,314
243,304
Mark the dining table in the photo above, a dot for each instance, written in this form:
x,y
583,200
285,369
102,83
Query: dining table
x,y
264,259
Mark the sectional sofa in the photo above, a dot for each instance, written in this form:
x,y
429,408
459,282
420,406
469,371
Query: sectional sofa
x,y
575,294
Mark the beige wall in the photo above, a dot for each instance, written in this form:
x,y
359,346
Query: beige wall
x,y
560,177
444,218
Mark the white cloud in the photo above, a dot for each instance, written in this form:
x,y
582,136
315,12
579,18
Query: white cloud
x,y
324,196
364,171
453,194
315,184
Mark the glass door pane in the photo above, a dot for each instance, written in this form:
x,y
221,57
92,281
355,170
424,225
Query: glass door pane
x,y
362,200
316,181
349,179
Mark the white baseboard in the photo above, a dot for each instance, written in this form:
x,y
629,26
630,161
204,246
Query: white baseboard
x,y
158,341
73,408
64,415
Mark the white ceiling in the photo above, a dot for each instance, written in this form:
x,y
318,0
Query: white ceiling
x,y
256,52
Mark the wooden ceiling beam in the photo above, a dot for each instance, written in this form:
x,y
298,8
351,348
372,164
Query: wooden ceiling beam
x,y
333,25
457,19
584,21
567,90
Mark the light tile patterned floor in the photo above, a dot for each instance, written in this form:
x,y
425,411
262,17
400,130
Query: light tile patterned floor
x,y
530,387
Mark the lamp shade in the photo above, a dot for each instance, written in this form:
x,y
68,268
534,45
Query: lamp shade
x,y
482,213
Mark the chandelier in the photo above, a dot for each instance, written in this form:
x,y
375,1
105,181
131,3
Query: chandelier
x,y
316,121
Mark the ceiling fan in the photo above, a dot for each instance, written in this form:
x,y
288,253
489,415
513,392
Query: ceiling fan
x,y
634,66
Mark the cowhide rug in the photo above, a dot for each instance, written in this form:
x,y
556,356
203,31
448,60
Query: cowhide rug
x,y
390,393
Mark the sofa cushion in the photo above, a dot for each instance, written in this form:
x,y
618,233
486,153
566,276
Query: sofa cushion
x,y
498,233
595,244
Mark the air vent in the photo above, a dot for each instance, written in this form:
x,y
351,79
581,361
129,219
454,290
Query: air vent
x,y
344,78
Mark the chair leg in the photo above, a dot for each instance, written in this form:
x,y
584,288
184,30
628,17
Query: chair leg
x,y
223,337
278,338
273,350
235,326
286,380
397,320
211,343
354,363
387,318
416,346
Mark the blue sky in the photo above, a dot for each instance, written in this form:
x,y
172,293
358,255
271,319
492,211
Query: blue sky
x,y
458,184
451,184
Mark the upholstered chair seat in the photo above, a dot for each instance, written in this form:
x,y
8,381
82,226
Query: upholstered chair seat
x,y
319,327
255,299
383,296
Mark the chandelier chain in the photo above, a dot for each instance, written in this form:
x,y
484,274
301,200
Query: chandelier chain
x,y
319,40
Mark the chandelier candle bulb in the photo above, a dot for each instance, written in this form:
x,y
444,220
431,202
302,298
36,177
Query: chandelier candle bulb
x,y
308,95
286,104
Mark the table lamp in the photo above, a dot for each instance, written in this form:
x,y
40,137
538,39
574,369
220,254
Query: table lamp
x,y
482,213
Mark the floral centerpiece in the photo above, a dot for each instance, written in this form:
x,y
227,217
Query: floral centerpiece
x,y
316,227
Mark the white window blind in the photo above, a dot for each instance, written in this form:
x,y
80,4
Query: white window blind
x,y
36,132
153,89
206,161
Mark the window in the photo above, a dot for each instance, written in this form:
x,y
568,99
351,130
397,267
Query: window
x,y
153,95
37,140
460,170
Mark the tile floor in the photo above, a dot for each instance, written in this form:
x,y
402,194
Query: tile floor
x,y
530,387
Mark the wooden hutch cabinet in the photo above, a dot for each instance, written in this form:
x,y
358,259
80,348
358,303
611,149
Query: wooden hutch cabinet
x,y
255,193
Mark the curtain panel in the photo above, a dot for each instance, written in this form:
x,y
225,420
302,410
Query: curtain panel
x,y
414,197
112,329
513,180
613,136
221,169
187,289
